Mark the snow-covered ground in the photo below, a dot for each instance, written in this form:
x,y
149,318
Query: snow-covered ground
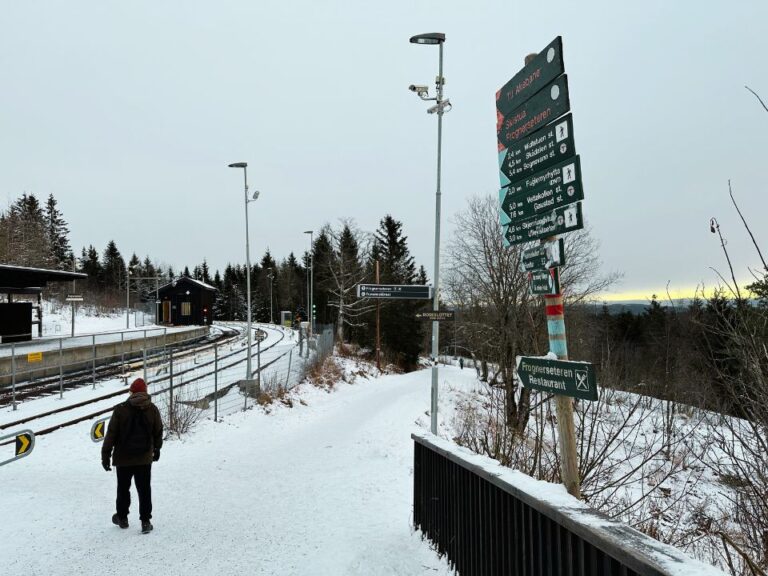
x,y
322,488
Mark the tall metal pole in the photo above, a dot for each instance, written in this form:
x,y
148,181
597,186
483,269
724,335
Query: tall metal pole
x,y
127,298
378,324
73,302
311,285
436,296
271,278
247,274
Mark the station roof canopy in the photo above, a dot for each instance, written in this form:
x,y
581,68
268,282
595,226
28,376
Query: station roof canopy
x,y
12,277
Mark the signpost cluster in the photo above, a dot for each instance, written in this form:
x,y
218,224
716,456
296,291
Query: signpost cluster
x,y
541,197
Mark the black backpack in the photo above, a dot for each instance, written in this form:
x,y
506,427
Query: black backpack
x,y
136,438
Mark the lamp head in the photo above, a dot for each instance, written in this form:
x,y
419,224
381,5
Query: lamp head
x,y
255,195
428,38
239,165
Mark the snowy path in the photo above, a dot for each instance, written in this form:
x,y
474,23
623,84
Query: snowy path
x,y
319,489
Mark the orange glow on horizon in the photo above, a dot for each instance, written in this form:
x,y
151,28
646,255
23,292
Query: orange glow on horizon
x,y
661,294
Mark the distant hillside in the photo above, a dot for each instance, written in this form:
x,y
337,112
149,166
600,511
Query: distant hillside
x,y
637,306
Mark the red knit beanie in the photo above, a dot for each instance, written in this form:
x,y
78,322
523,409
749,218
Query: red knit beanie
x,y
138,386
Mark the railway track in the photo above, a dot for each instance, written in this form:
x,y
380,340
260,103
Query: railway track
x,y
222,365
54,384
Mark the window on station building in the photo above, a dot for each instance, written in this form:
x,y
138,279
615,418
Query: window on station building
x,y
186,309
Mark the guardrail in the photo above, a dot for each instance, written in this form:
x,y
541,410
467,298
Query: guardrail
x,y
490,520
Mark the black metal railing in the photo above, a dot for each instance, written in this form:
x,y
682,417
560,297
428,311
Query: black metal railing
x,y
486,526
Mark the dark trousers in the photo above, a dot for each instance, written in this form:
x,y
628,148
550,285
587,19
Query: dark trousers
x,y
143,477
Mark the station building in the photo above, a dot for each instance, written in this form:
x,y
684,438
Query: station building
x,y
186,301
17,313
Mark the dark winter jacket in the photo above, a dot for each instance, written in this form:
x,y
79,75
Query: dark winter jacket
x,y
122,423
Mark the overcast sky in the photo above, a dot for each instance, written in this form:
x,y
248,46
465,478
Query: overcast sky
x,y
129,112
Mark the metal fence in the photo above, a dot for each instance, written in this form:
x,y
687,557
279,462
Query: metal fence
x,y
31,368
212,384
486,526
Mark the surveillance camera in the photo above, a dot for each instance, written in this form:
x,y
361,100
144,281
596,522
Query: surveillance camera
x,y
418,88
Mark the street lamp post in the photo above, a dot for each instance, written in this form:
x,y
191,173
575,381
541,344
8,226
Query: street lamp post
x,y
311,281
128,297
271,278
441,106
244,166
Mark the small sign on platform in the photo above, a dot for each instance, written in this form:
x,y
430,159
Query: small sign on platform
x,y
74,298
34,357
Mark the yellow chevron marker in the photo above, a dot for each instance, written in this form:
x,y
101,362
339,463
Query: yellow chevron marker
x,y
97,430
22,444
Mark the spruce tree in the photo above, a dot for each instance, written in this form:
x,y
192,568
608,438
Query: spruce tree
x,y
113,268
57,233
401,332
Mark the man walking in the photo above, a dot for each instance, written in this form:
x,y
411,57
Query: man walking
x,y
136,433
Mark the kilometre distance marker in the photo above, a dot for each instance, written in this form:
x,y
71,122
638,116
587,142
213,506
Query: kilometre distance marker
x,y
544,191
559,221
545,147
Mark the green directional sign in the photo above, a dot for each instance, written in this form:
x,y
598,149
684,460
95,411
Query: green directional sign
x,y
544,282
574,379
545,147
551,188
544,68
394,291
547,105
558,221
544,256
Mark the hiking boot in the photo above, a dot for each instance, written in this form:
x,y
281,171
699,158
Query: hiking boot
x,y
122,522
146,527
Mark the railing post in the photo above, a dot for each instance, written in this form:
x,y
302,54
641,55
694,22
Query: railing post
x,y
122,350
170,393
258,362
144,350
13,375
287,376
93,363
215,381
61,369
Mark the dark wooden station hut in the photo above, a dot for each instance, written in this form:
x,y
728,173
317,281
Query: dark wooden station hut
x,y
186,301
17,318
